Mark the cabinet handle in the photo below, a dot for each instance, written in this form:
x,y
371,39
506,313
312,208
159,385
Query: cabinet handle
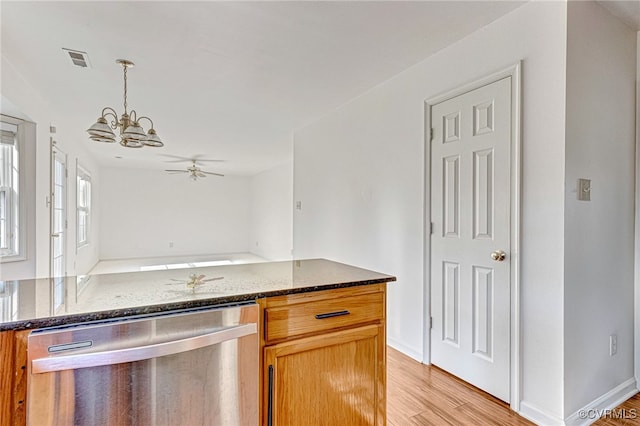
x,y
270,401
332,314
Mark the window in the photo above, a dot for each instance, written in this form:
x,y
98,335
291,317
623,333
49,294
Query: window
x,y
9,190
83,206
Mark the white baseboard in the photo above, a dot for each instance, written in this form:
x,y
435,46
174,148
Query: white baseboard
x,y
609,400
404,349
616,396
538,416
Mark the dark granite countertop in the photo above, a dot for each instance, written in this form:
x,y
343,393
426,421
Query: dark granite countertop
x,y
34,304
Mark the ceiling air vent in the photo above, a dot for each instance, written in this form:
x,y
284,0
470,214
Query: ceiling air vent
x,y
78,58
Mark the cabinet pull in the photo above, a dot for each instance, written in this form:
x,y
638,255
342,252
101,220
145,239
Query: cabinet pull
x,y
332,314
270,401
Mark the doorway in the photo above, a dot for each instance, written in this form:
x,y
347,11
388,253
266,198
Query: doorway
x,y
472,247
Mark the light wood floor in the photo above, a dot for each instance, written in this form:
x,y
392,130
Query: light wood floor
x,y
425,395
630,408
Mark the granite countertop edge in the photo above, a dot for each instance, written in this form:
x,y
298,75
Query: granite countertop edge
x,y
138,311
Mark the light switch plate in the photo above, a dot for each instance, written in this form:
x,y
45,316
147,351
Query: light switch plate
x,y
584,189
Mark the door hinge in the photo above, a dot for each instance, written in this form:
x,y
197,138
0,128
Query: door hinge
x,y
431,133
430,323
431,228
66,224
66,173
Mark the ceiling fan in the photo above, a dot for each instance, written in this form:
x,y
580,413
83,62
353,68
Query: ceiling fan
x,y
194,171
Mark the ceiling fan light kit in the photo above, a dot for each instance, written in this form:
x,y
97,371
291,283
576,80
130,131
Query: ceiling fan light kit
x,y
132,135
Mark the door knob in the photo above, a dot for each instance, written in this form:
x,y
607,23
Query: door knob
x,y
498,255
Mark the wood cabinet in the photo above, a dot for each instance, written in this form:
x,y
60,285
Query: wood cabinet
x,y
324,358
13,377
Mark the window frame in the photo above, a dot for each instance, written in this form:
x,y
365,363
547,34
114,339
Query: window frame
x,y
17,211
83,174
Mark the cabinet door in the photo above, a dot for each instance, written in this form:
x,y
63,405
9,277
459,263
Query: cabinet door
x,y
330,379
13,377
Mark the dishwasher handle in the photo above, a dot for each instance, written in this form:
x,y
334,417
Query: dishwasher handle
x,y
118,356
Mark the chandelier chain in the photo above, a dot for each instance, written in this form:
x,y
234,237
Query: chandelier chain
x,y
125,88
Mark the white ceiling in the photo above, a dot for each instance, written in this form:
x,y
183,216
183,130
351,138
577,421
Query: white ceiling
x,y
627,10
226,80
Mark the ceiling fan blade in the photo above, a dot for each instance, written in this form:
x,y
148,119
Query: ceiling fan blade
x,y
211,173
177,171
176,158
200,174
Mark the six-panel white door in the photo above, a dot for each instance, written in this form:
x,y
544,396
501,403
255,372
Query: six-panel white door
x,y
470,211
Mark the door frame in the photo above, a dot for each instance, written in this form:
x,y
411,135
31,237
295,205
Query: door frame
x,y
513,71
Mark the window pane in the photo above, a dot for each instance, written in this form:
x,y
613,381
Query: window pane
x,y
6,167
82,193
57,197
58,293
83,212
82,226
57,221
4,228
8,300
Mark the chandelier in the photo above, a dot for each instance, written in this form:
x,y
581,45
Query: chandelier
x,y
132,135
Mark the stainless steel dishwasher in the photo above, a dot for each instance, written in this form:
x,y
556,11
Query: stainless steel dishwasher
x,y
186,368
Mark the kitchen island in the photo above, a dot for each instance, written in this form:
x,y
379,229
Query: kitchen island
x,y
322,330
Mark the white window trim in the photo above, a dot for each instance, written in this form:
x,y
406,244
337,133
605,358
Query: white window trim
x,y
81,171
21,255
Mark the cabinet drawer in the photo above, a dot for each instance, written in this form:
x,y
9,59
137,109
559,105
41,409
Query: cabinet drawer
x,y
283,322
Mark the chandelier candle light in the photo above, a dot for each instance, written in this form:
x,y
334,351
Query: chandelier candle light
x,y
132,135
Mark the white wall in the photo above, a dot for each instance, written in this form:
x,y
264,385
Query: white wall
x,y
599,234
28,102
359,175
271,229
142,211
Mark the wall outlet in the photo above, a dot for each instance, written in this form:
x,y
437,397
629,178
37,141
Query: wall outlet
x,y
170,244
613,345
